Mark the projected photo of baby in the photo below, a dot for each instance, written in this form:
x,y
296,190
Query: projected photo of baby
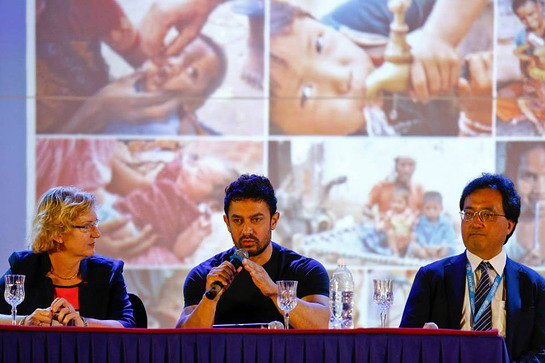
x,y
161,201
122,67
374,201
334,70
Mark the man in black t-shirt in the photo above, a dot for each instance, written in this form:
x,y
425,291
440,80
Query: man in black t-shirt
x,y
249,293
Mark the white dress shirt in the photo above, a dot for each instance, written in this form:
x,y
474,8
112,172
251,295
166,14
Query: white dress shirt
x,y
498,301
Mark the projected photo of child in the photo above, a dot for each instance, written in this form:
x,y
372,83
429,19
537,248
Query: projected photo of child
x,y
374,201
328,75
94,76
434,232
521,68
187,79
160,200
524,163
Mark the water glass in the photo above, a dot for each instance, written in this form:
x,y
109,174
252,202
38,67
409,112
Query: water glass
x,y
287,298
383,296
14,293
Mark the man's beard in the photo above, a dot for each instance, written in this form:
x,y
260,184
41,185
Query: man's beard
x,y
259,251
258,243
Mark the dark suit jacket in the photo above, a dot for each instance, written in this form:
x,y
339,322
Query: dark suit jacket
x,y
437,295
102,295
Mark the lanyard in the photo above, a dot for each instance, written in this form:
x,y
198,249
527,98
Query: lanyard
x,y
471,286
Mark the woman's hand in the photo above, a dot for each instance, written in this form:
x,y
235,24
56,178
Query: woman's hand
x,y
65,313
39,317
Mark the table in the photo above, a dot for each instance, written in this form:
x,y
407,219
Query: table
x,y
71,344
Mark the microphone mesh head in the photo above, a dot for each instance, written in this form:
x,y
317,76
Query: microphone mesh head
x,y
238,256
242,253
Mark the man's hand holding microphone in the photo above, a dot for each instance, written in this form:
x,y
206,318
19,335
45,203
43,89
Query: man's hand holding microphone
x,y
222,276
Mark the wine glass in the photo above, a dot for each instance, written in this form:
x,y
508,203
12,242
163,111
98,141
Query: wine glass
x,y
14,293
287,299
383,297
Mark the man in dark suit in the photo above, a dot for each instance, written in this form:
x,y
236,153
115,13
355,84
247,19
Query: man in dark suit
x,y
448,292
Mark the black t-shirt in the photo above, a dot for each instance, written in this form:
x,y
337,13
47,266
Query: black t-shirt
x,y
243,302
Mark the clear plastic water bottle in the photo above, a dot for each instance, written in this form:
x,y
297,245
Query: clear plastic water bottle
x,y
341,298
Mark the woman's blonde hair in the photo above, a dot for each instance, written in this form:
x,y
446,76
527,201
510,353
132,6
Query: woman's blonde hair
x,y
57,209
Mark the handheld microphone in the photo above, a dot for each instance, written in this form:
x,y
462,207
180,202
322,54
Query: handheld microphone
x,y
236,260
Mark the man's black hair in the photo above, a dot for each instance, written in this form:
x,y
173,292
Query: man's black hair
x,y
250,186
504,185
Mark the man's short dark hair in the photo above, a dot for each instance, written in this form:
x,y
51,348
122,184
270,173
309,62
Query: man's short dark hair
x,y
504,185
254,187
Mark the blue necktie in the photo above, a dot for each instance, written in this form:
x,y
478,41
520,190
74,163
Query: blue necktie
x,y
485,321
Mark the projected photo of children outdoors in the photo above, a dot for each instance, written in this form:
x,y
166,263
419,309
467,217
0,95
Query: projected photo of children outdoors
x,y
372,204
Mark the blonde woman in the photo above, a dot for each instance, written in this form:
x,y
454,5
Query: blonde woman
x,y
66,284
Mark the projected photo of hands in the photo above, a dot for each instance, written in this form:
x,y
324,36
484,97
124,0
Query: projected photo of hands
x,y
335,69
118,67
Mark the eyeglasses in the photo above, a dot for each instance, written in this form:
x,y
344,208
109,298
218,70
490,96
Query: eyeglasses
x,y
87,227
484,215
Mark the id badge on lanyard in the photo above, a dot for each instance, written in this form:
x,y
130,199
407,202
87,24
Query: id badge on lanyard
x,y
471,287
